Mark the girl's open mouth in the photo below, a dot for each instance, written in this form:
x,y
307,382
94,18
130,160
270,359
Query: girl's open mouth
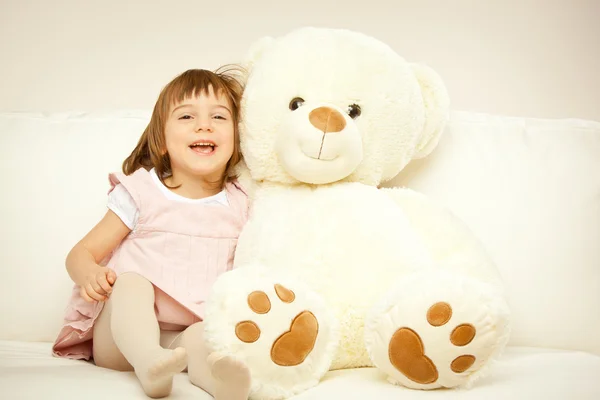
x,y
203,147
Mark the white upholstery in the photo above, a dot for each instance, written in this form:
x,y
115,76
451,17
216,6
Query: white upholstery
x,y
529,188
30,372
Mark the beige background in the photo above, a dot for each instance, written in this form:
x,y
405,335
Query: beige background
x,y
523,58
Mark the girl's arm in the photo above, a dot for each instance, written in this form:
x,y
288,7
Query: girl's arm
x,y
82,261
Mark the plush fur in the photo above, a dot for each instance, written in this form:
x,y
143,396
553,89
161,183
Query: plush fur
x,y
365,261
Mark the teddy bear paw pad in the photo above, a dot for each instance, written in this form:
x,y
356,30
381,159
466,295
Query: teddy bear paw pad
x,y
407,353
291,347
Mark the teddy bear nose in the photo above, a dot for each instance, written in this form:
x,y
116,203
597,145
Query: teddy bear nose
x,y
327,119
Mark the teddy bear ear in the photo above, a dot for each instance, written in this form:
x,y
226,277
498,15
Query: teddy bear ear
x,y
437,106
256,51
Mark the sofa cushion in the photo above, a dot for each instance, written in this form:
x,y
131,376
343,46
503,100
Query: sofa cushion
x,y
28,371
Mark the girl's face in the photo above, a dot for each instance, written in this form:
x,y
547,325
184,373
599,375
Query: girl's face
x,y
199,136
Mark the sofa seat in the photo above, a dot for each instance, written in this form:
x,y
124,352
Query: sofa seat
x,y
29,371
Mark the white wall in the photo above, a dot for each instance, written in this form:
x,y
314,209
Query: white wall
x,y
525,58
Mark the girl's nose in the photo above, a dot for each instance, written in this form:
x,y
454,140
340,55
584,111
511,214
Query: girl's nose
x,y
203,124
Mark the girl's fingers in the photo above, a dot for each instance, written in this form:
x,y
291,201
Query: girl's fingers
x,y
103,282
96,287
111,276
85,296
93,294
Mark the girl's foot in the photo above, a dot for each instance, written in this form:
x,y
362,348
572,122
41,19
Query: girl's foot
x,y
156,375
232,377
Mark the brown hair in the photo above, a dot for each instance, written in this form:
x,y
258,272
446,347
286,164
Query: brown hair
x,y
149,151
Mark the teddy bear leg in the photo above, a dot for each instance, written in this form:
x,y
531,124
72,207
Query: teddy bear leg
x,y
280,328
437,329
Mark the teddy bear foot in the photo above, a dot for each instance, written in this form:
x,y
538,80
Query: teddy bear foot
x,y
279,328
435,331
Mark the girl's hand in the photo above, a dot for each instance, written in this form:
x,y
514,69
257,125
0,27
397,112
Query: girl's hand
x,y
82,262
96,285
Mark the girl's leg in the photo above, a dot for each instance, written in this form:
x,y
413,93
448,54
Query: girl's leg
x,y
127,336
105,352
223,377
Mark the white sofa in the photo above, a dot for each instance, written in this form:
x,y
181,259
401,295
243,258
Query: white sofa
x,y
529,188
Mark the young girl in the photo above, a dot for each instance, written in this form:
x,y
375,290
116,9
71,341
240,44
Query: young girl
x,y
142,274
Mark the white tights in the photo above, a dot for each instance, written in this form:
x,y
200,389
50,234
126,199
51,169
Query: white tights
x,y
127,337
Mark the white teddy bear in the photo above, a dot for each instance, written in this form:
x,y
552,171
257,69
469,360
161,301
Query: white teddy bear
x,y
331,271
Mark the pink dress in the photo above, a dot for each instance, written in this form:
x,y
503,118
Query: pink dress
x,y
180,247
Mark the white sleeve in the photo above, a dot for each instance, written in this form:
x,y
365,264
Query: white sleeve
x,y
121,203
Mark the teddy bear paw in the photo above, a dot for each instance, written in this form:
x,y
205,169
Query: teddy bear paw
x,y
277,327
407,353
423,342
293,346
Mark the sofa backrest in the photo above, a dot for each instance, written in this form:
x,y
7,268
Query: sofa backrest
x,y
528,188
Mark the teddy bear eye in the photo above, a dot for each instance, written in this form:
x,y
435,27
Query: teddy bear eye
x,y
296,102
354,111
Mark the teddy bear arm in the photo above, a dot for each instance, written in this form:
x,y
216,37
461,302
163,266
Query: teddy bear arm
x,y
447,237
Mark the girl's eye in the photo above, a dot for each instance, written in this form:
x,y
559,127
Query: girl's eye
x,y
219,117
185,117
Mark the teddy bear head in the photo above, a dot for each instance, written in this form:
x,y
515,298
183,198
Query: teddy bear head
x,y
327,105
